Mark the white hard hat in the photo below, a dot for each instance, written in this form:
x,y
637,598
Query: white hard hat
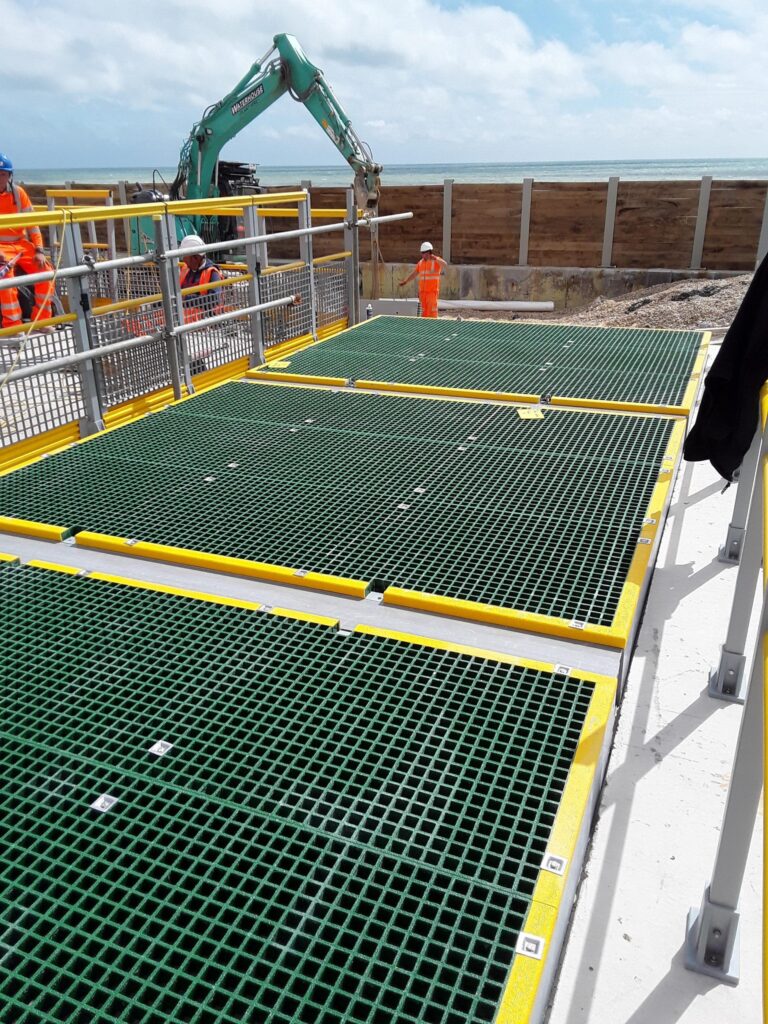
x,y
426,246
190,241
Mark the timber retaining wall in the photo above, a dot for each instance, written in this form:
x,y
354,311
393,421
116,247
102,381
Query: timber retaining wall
x,y
686,225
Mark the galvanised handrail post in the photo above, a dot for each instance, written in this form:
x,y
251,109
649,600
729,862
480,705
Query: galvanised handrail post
x,y
352,244
730,552
252,252
170,290
78,292
307,255
726,682
712,936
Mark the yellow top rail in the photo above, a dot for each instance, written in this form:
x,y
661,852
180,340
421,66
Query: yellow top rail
x,y
332,258
82,214
296,265
78,193
317,214
29,328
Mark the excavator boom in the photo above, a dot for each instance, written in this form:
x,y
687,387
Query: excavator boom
x,y
284,68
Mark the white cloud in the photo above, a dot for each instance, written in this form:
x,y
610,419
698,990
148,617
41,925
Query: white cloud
x,y
420,82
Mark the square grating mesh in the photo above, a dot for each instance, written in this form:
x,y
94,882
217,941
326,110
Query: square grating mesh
x,y
346,828
648,367
462,500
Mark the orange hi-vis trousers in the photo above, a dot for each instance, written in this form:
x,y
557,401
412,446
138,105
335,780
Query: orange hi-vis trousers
x,y
9,297
429,271
428,297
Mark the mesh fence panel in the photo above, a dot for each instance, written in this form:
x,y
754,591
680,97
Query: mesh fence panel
x,y
135,282
331,293
288,321
137,371
218,344
32,406
36,404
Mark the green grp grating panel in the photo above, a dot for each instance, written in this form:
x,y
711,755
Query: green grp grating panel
x,y
346,828
627,365
463,500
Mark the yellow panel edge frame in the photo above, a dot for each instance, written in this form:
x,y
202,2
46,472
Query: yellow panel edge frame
x,y
521,992
30,528
295,378
497,615
195,595
222,563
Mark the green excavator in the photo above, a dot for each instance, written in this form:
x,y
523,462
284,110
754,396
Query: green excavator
x,y
285,68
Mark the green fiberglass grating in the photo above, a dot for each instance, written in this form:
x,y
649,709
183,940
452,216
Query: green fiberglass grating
x,y
339,828
628,366
465,502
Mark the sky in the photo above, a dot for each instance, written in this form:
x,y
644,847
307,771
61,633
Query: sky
x,y
91,84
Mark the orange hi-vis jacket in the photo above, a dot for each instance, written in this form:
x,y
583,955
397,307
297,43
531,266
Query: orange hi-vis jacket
x,y
16,200
429,271
205,303
21,243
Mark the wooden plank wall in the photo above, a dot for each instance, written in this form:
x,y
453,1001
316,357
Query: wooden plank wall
x,y
655,223
567,221
654,226
733,226
485,224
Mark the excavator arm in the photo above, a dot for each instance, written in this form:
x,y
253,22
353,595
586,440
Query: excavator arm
x,y
284,68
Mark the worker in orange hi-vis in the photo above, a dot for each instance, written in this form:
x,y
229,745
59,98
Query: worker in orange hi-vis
x,y
428,270
21,249
196,269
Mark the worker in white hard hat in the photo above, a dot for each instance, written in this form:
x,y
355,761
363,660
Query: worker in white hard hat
x,y
429,269
196,270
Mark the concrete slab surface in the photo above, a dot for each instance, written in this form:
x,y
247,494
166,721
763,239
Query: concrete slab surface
x,y
653,849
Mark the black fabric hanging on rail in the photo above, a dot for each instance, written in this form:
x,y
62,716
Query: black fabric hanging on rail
x,y
729,412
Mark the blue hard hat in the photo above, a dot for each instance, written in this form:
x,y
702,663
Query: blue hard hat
x,y
6,164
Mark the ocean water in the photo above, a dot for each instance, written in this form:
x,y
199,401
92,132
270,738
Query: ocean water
x,y
430,174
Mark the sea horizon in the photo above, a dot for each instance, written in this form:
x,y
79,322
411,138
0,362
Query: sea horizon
x,y
435,173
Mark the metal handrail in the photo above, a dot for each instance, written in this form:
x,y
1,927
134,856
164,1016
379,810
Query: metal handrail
x,y
220,318
120,346
129,261
712,943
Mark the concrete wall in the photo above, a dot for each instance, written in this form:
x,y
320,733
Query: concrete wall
x,y
567,287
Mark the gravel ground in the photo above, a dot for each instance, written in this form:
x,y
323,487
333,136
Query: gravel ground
x,y
682,305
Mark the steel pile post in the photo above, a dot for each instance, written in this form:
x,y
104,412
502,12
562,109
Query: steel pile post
x,y
251,221
352,244
726,682
730,552
306,253
165,239
112,250
78,292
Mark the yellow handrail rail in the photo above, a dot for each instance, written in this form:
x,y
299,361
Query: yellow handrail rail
x,y
297,265
78,193
330,259
82,214
51,321
317,214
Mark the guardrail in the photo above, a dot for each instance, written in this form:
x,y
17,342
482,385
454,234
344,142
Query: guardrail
x,y
712,938
130,333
